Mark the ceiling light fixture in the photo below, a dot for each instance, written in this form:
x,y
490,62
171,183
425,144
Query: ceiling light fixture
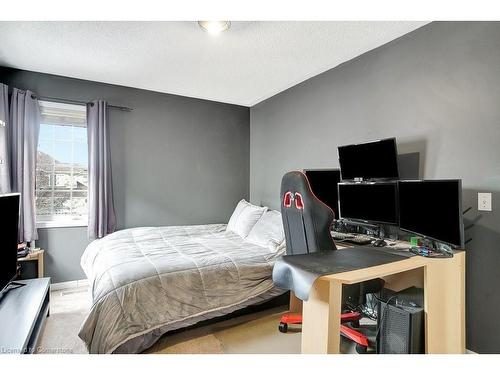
x,y
214,27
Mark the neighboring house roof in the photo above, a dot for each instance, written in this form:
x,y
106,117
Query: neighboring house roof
x,y
44,158
63,168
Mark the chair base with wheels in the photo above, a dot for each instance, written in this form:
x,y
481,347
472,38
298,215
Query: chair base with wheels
x,y
349,321
296,318
354,296
289,318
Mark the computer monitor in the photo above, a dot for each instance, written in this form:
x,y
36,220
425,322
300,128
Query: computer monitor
x,y
432,209
323,184
373,202
370,160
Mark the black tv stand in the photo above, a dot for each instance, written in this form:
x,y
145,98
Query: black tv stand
x,y
23,310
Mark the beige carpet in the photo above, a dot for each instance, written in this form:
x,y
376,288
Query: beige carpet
x,y
68,309
250,334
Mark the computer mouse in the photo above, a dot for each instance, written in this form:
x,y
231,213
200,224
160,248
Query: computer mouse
x,y
379,243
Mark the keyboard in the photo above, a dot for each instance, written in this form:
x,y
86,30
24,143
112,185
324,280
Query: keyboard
x,y
357,239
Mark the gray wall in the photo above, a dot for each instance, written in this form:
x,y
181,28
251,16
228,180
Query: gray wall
x,y
63,249
438,91
175,160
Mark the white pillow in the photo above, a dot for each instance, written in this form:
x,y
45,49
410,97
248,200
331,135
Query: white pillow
x,y
268,231
244,217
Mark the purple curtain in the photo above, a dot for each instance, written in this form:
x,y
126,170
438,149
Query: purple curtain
x,y
4,140
24,126
102,219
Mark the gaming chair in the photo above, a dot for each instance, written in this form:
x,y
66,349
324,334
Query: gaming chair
x,y
307,222
306,219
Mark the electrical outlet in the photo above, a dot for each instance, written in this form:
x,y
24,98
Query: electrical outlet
x,y
484,201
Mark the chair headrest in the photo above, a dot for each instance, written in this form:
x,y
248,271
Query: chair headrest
x,y
306,219
296,191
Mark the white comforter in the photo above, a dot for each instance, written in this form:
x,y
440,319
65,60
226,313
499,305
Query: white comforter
x,y
146,278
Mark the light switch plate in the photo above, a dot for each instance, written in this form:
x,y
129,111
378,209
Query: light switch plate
x,y
484,201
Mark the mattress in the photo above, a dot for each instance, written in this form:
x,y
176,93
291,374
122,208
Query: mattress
x,y
147,281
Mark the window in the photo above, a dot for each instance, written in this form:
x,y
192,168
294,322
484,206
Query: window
x,y
62,165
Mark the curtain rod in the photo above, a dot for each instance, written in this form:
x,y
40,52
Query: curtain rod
x,y
70,101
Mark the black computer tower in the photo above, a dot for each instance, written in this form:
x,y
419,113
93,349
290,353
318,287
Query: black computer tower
x,y
401,322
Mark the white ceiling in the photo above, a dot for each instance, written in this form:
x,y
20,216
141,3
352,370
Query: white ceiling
x,y
245,65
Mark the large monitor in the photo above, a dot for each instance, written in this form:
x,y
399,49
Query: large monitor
x,y
372,202
370,160
432,209
9,223
324,185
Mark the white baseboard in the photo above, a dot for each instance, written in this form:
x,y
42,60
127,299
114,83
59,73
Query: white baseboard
x,y
469,351
69,284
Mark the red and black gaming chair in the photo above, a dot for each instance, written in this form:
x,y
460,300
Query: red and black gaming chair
x,y
307,222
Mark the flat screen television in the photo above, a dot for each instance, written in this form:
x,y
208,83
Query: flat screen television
x,y
372,202
323,184
370,160
9,224
432,209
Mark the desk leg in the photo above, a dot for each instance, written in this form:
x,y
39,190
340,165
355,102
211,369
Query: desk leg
x,y
40,265
295,304
444,285
321,319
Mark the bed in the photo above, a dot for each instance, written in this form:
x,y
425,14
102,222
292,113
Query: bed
x,y
151,280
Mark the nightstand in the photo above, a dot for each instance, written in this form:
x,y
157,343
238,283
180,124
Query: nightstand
x,y
31,266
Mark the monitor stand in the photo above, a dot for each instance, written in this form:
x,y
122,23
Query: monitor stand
x,y
10,286
13,285
16,284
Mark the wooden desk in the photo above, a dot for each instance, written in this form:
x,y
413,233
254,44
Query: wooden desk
x,y
443,281
36,255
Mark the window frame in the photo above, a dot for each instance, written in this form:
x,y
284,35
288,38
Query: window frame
x,y
58,221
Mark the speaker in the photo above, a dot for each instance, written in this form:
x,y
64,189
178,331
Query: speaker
x,y
401,324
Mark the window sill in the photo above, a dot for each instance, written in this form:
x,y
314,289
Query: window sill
x,y
61,224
